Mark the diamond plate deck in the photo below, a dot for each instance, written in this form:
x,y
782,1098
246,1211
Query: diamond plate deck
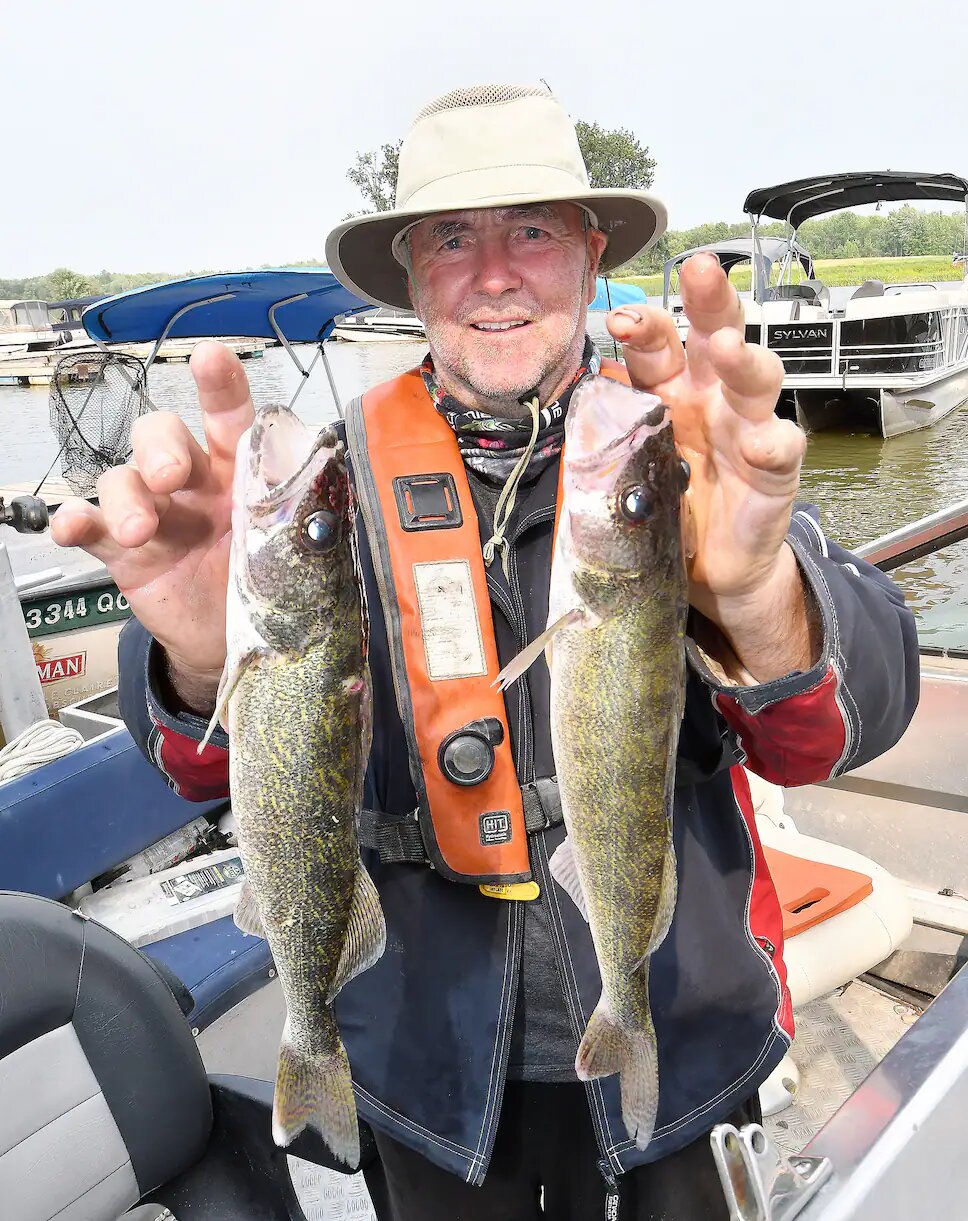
x,y
839,1040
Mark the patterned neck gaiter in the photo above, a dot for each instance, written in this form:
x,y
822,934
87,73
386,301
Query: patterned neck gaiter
x,y
492,446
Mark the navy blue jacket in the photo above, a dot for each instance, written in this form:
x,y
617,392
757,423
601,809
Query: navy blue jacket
x,y
428,1028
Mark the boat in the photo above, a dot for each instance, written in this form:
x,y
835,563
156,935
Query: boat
x,y
380,325
894,358
774,259
72,609
25,327
866,1118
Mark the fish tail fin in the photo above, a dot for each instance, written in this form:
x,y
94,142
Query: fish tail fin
x,y
316,1088
608,1048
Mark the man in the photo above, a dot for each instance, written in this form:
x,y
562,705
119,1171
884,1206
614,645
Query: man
x,y
802,662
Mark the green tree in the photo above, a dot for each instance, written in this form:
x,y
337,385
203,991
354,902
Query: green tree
x,y
63,283
614,158
375,176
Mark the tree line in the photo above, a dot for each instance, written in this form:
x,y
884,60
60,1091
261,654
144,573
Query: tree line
x,y
615,158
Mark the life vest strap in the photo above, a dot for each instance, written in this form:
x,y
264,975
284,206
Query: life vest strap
x,y
398,840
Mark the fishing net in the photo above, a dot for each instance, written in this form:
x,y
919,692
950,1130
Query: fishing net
x,y
95,398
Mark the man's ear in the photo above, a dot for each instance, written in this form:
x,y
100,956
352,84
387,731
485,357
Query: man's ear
x,y
597,244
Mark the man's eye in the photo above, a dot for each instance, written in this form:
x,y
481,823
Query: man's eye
x,y
452,243
534,234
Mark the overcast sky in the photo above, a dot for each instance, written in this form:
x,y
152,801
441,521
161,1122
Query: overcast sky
x,y
200,134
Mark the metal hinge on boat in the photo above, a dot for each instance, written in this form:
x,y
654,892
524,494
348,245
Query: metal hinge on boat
x,y
760,1184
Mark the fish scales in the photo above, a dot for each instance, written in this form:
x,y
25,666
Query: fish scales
x,y
297,692
616,655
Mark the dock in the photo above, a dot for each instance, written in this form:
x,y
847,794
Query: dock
x,y
37,368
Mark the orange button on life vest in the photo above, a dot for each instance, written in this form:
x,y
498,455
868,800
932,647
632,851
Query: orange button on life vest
x,y
813,891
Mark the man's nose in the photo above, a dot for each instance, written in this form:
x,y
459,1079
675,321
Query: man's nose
x,y
496,272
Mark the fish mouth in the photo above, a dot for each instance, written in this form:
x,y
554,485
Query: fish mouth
x,y
282,452
599,429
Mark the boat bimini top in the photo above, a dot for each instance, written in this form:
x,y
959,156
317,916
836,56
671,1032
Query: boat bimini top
x,y
804,198
734,251
292,306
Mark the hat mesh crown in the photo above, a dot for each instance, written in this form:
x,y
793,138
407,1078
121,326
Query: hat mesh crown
x,y
481,95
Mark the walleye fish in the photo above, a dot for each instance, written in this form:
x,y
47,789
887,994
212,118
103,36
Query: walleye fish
x,y
297,690
615,650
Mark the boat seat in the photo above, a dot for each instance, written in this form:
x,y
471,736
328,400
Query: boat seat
x,y
812,891
218,964
842,913
870,288
104,1101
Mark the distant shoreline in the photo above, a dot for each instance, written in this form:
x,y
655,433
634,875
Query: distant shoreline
x,y
836,273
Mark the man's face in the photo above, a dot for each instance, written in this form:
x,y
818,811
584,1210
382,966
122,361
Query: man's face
x,y
503,294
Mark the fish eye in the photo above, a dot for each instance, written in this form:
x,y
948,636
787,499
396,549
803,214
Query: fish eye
x,y
320,531
635,504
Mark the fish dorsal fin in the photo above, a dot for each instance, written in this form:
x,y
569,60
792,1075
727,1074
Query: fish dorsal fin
x,y
247,915
529,655
564,870
366,934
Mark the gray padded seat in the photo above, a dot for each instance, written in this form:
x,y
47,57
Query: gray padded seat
x,y
104,1100
870,288
102,1091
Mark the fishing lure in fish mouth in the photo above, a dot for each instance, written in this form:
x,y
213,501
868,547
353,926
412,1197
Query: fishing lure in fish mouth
x,y
295,697
615,649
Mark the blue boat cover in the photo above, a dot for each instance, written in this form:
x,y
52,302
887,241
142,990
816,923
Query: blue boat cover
x,y
617,294
217,963
69,821
141,314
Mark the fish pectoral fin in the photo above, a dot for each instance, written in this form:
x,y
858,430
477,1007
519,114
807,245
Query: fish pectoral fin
x,y
366,934
530,654
247,915
564,869
233,671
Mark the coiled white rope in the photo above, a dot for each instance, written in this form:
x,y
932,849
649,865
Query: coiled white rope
x,y
40,743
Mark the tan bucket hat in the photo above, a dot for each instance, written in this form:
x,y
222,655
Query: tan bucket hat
x,y
488,146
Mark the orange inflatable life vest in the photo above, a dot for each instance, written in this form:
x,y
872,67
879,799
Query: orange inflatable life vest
x,y
422,526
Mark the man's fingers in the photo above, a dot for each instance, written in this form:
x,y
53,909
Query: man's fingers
x,y
166,454
751,374
650,344
77,523
710,303
130,509
776,447
224,397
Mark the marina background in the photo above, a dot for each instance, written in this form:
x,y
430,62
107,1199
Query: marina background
x,y
863,485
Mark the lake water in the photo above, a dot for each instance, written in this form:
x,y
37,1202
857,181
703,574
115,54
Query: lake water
x,y
864,486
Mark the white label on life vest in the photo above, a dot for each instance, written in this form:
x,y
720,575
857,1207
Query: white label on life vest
x,y
448,619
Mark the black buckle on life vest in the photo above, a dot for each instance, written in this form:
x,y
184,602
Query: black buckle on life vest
x,y
427,502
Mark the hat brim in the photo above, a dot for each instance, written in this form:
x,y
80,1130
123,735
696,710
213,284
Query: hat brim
x,y
358,250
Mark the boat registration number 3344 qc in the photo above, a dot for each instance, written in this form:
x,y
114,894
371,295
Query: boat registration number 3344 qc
x,y
83,608
75,641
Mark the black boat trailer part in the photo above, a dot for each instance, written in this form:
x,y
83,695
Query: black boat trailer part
x,y
893,1151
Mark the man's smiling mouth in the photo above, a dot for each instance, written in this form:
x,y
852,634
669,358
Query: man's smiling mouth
x,y
489,327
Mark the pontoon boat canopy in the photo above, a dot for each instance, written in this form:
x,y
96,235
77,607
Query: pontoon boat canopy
x,y
293,306
804,198
737,250
303,304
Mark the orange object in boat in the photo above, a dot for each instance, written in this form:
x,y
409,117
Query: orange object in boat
x,y
813,891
